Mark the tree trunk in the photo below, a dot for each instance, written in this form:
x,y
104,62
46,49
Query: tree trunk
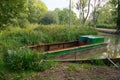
x,y
94,18
87,12
94,15
70,14
118,18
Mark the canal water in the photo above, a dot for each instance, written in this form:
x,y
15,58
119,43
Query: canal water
x,y
112,49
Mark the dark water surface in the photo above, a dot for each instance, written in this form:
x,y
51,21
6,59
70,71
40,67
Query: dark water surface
x,y
112,50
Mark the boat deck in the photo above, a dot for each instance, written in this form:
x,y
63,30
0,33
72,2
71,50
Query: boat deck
x,y
67,49
76,47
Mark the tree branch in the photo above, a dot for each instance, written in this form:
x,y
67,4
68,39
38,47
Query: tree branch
x,y
88,11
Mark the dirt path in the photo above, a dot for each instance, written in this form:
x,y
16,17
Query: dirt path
x,y
71,71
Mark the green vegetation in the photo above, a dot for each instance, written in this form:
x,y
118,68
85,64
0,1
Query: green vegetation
x,y
23,59
21,12
26,12
74,67
28,22
108,16
19,63
98,62
50,18
17,37
14,59
37,10
11,11
105,17
80,6
63,17
107,26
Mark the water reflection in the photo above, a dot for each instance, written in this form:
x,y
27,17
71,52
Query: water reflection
x,y
113,48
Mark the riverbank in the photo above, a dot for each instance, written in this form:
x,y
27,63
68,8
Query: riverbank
x,y
104,30
72,71
14,38
13,59
67,71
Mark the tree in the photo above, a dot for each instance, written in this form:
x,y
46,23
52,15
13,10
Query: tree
x,y
118,16
63,16
81,7
37,10
11,9
116,11
104,16
50,18
97,10
96,5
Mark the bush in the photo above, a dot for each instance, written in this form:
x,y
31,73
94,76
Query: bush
x,y
25,59
2,76
13,38
62,33
1,61
42,65
109,26
50,18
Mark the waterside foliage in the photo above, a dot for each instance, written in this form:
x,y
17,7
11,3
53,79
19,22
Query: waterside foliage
x,y
17,59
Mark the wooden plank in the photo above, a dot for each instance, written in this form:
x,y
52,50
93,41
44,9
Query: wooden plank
x,y
90,61
76,47
53,46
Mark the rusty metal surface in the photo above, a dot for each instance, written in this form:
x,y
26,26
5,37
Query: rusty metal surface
x,y
56,46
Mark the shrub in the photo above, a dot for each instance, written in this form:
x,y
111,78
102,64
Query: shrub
x,y
98,62
109,26
62,33
1,62
16,37
50,18
2,76
42,65
25,59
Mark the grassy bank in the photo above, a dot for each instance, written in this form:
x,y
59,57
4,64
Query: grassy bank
x,y
13,38
69,71
107,26
13,59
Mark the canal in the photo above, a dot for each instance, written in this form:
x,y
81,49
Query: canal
x,y
112,50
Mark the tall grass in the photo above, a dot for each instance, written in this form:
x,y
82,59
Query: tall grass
x,y
13,38
1,61
2,75
108,26
25,59
61,33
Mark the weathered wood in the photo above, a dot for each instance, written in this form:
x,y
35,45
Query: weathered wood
x,y
91,61
77,54
56,46
67,50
